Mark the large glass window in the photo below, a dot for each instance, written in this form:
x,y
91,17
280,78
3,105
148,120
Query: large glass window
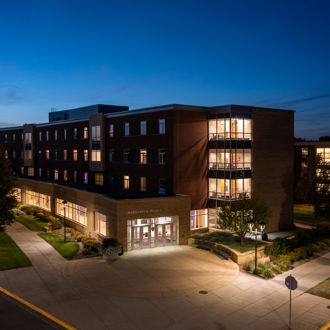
x,y
143,127
143,183
85,132
198,219
230,159
75,154
230,128
96,155
98,179
73,211
126,129
111,130
36,199
162,126
324,153
224,189
143,156
30,171
96,133
126,182
100,223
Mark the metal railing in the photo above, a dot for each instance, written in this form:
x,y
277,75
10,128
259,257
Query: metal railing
x,y
228,135
228,196
229,166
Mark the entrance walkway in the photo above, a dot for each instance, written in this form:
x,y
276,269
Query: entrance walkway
x,y
159,289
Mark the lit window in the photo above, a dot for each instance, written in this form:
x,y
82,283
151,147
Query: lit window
x,y
22,170
198,219
100,223
6,154
75,154
55,135
75,133
143,156
111,130
96,133
65,154
47,154
98,177
30,171
28,138
55,175
161,126
162,186
65,175
304,152
126,129
96,155
161,157
143,183
85,177
126,182
126,156
143,128
85,132
85,154
74,212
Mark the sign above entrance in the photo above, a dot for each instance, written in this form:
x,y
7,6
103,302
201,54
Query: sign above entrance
x,y
144,211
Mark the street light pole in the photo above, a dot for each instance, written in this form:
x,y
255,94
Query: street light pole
x,y
64,222
255,232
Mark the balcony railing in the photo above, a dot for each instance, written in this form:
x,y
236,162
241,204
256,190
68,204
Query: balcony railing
x,y
229,166
227,196
228,136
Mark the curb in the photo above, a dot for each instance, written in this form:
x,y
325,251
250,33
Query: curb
x,y
38,309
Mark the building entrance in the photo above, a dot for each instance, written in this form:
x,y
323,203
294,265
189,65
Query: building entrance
x,y
146,233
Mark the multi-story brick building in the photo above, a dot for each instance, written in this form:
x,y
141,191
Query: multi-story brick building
x,y
150,176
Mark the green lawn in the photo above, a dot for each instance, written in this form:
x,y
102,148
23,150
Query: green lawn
x,y
68,250
304,214
11,256
322,289
31,223
230,240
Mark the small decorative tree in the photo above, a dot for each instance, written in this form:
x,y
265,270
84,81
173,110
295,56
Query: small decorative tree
x,y
7,200
235,215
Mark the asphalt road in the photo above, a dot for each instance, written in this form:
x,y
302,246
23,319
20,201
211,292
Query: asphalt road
x,y
14,315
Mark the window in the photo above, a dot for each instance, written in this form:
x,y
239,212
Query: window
x,y
96,133
227,189
6,138
65,154
55,175
14,154
143,127
75,154
126,182
73,212
230,159
47,173
36,199
47,153
6,154
324,153
55,155
96,155
85,132
304,152
28,138
100,223
161,126
198,219
111,130
75,133
126,130
85,177
40,172
40,136
162,187
126,156
98,178
28,154
22,170
161,156
65,175
230,128
55,135
65,133
75,175
143,156
30,171
47,136
111,155
14,137
143,183
86,155
112,181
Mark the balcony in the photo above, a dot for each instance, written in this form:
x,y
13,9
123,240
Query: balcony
x,y
227,196
229,136
230,166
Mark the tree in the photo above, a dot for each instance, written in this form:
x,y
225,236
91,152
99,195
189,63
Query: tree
x,y
235,215
7,200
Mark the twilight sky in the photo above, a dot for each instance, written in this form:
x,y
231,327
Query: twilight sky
x,y
66,54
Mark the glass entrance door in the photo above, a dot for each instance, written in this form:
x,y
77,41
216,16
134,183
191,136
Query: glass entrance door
x,y
141,236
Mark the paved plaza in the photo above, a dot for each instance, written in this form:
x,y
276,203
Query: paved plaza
x,y
160,289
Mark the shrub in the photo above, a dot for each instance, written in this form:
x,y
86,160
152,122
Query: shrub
x,y
322,245
326,241
109,242
276,269
78,236
315,247
92,248
87,240
42,216
283,262
55,222
70,230
268,273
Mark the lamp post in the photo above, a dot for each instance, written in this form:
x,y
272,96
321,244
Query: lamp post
x,y
64,224
256,232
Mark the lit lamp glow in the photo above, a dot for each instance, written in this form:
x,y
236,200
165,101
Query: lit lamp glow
x,y
64,203
256,232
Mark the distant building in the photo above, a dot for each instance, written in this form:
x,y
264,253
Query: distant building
x,y
152,176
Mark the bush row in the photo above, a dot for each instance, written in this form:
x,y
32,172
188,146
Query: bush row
x,y
90,244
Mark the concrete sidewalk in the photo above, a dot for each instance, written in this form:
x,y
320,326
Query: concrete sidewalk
x,y
159,289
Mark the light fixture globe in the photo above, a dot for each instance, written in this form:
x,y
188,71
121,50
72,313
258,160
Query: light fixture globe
x,y
250,224
64,203
262,226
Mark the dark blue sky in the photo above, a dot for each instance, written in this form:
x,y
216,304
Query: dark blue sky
x,y
65,54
